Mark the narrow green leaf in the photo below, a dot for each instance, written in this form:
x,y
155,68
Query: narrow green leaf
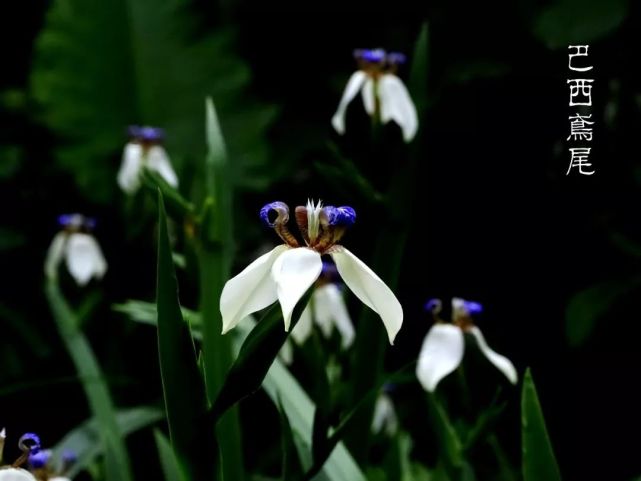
x,y
588,306
170,466
255,357
85,440
185,399
117,467
539,462
449,442
279,385
176,204
292,469
419,70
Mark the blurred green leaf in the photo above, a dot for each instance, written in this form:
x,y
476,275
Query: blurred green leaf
x,y
10,160
176,204
291,466
579,22
170,466
451,447
255,357
117,467
419,70
85,441
539,463
145,62
183,389
279,385
10,239
588,306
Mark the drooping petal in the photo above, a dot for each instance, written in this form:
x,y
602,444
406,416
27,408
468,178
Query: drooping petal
x,y
55,254
84,258
354,84
441,353
251,290
158,161
331,311
370,289
15,474
384,416
397,105
303,327
368,95
128,175
294,272
501,362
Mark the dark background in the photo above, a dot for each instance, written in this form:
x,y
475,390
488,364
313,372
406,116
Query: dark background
x,y
496,218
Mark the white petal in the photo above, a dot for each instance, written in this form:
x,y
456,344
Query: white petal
x,y
55,254
370,289
128,175
354,84
384,416
502,363
330,309
158,160
84,258
294,272
303,327
59,478
441,353
250,291
15,474
367,93
397,105
286,352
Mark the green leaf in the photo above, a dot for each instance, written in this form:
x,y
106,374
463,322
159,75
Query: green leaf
x,y
145,62
539,463
85,440
256,355
177,205
292,469
579,22
117,466
185,399
451,446
419,70
170,465
281,387
588,306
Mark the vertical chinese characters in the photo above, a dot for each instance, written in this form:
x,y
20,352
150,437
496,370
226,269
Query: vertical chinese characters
x,y
580,122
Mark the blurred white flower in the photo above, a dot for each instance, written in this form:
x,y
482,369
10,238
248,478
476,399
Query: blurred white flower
x,y
28,443
288,271
79,249
15,474
385,418
384,95
327,309
444,345
144,150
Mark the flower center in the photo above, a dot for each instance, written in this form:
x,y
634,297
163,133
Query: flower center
x,y
321,227
76,223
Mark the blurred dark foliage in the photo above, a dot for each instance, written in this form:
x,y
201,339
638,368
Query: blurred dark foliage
x,y
496,218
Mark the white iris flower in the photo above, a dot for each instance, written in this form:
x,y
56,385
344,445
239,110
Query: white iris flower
x,y
384,95
144,150
444,345
78,248
289,270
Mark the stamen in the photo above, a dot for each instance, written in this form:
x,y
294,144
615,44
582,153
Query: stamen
x,y
151,134
462,312
76,222
313,220
374,56
279,223
434,306
29,444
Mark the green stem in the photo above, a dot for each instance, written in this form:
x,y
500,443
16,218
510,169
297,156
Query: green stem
x,y
505,468
117,465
